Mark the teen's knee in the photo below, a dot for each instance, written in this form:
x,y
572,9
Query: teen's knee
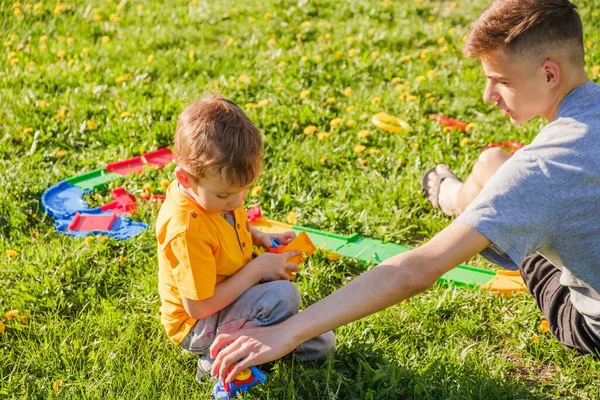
x,y
492,159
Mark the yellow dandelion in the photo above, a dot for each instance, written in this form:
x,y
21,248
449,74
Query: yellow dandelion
x,y
352,52
251,20
396,79
251,106
443,49
61,53
280,89
304,94
350,109
61,153
70,40
164,183
330,100
323,135
125,114
11,314
363,134
57,385
61,113
374,151
464,142
359,148
114,18
334,123
85,50
470,126
442,102
229,42
452,31
375,54
348,92
104,238
90,125
338,55
88,68
2,327
350,123
291,218
362,161
268,15
431,74
147,188
191,54
43,38
299,36
420,78
38,6
544,326
589,44
414,146
327,36
310,130
333,256
324,159
596,70
105,39
441,40
349,40
405,58
27,130
448,129
303,59
281,64
535,338
272,41
17,12
431,18
42,104
122,259
376,100
255,190
263,103
150,58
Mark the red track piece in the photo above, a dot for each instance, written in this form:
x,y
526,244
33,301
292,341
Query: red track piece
x,y
92,222
126,167
155,197
159,157
505,146
124,203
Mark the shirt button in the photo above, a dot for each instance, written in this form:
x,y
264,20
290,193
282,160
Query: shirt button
x,y
238,226
244,244
194,215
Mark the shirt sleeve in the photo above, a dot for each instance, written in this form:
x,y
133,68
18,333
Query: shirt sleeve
x,y
514,209
195,271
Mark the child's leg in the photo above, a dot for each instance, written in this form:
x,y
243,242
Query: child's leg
x,y
454,196
566,323
265,304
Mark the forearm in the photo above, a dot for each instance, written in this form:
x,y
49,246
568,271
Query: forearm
x,y
397,279
226,292
256,236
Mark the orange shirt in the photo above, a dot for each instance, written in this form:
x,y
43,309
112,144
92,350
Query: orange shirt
x,y
196,250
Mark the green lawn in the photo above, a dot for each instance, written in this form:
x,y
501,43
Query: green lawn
x,y
87,83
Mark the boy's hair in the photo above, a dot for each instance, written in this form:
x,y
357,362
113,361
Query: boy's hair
x,y
534,27
215,136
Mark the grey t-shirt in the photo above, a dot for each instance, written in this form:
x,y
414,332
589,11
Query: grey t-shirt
x,y
546,199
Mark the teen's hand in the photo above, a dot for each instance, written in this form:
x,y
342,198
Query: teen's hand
x,y
248,347
273,267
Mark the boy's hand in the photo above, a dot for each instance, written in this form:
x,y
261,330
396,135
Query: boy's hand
x,y
285,238
272,267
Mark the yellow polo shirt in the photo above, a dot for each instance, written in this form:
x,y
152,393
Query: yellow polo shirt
x,y
196,250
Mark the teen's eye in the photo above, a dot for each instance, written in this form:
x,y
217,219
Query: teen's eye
x,y
223,197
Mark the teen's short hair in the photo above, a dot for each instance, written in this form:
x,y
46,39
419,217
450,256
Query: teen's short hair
x,y
527,27
215,136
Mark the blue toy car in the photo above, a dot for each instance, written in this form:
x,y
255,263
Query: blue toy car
x,y
243,381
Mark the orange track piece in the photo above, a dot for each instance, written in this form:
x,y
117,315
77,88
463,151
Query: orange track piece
x,y
506,282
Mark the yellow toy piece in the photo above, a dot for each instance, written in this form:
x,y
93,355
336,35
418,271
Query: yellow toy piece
x,y
270,226
506,282
389,123
302,243
245,374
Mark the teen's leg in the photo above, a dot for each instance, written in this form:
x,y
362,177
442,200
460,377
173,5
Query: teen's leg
x,y
566,323
454,196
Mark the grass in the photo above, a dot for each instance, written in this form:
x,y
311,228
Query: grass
x,y
86,83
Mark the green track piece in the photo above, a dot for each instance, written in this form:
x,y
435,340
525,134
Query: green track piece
x,y
326,240
94,179
366,249
466,275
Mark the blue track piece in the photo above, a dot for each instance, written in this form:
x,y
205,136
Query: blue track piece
x,y
122,228
220,392
63,200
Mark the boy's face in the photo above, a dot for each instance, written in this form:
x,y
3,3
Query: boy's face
x,y
518,86
214,194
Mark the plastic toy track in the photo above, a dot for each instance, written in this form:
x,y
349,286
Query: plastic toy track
x,y
389,123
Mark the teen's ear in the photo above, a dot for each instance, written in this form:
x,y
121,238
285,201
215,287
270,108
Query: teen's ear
x,y
552,73
183,177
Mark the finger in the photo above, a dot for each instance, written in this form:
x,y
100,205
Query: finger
x,y
284,276
239,353
289,254
239,367
221,340
291,266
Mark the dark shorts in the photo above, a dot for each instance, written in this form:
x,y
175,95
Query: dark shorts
x,y
566,323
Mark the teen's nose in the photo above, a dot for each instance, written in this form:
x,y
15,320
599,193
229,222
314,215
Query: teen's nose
x,y
490,93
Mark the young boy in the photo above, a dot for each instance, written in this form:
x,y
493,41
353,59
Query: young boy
x,y
539,211
208,280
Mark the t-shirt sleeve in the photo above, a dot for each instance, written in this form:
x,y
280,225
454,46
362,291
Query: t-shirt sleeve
x,y
195,270
514,209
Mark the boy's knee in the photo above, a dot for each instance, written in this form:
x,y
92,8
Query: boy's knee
x,y
281,300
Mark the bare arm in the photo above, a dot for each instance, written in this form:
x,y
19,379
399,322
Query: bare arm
x,y
396,279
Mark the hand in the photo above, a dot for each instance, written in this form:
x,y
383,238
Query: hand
x,y
265,238
272,267
248,347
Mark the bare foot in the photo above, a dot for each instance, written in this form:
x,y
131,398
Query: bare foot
x,y
444,195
